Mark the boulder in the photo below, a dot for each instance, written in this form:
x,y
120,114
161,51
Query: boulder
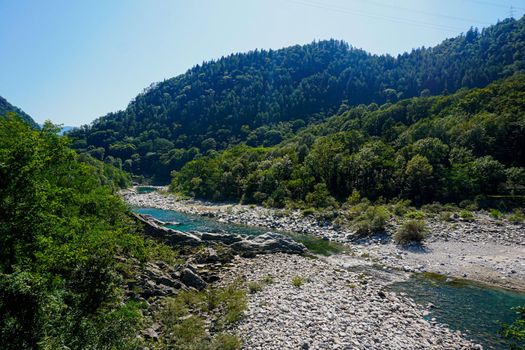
x,y
268,243
191,279
220,237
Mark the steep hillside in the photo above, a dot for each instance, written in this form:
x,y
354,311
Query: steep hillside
x,y
262,96
6,107
446,148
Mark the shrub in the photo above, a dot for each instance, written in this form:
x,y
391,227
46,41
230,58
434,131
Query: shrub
x,y
401,207
297,281
515,332
415,214
434,208
445,216
372,220
516,217
411,231
225,341
185,318
495,213
354,198
466,215
320,197
308,211
267,279
254,287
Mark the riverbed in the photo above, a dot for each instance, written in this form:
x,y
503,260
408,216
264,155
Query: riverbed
x,y
476,310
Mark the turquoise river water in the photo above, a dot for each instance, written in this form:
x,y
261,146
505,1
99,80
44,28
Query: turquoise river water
x,y
476,309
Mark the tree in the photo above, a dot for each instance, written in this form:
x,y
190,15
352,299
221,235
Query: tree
x,y
418,178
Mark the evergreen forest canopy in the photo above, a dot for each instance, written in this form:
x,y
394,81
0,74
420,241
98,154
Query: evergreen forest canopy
x,y
264,97
445,148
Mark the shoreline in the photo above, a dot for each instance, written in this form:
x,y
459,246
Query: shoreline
x,y
482,251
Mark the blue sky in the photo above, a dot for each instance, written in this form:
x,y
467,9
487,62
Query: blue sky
x,y
74,61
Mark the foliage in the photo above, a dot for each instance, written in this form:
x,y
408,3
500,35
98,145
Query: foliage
x,y
7,108
428,149
372,220
184,318
254,287
517,217
297,281
411,231
60,229
515,332
466,215
264,97
495,213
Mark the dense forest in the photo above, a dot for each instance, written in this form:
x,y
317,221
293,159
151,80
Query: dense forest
x,y
6,107
263,97
446,148
60,231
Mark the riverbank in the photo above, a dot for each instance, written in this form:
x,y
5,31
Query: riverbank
x,y
305,303
484,250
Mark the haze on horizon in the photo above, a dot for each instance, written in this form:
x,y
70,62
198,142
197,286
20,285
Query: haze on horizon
x,y
72,62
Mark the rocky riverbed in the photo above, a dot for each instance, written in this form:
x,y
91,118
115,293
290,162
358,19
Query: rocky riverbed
x,y
334,308
485,249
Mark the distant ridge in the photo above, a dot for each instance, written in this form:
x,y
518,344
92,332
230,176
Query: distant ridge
x,y
6,107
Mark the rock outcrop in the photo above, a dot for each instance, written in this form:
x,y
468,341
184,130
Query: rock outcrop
x,y
267,243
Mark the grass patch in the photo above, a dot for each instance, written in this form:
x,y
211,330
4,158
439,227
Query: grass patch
x,y
297,281
254,287
268,279
318,245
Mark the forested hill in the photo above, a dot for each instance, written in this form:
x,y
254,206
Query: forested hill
x,y
263,96
443,148
6,107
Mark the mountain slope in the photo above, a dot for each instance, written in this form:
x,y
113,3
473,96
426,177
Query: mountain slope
x,y
6,107
446,148
244,97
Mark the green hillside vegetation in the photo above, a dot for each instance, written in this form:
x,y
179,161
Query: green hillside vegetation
x,y
60,230
444,148
6,107
264,97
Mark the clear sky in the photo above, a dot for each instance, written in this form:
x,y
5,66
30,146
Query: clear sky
x,y
74,61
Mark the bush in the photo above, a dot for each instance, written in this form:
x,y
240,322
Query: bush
x,y
411,231
515,332
354,198
373,220
401,207
445,216
225,341
308,211
254,287
434,208
495,213
297,281
320,197
415,214
268,279
466,215
516,217
185,319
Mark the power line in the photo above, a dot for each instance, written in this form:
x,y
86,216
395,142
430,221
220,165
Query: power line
x,y
394,19
463,19
490,3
